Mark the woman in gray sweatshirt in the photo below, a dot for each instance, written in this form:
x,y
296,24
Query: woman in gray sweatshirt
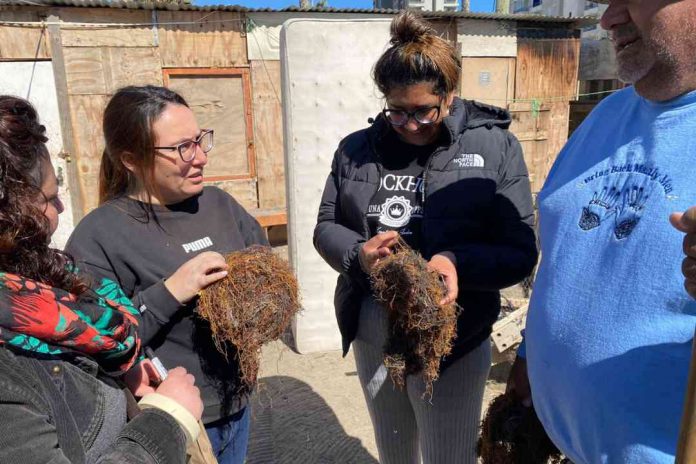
x,y
161,234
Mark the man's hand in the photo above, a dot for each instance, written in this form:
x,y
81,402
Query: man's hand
x,y
445,264
376,248
686,222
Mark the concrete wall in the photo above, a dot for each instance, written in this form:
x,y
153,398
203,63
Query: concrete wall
x,y
487,38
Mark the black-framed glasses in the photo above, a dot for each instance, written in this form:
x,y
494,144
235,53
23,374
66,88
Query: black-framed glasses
x,y
424,116
187,149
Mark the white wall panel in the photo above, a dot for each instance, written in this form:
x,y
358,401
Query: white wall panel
x,y
327,94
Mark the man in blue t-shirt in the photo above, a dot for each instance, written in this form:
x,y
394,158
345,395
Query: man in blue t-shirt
x,y
610,327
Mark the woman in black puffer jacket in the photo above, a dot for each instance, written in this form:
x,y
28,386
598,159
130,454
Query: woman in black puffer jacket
x,y
449,178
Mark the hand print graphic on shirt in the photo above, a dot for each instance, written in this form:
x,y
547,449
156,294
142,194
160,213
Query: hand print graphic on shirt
x,y
602,206
630,211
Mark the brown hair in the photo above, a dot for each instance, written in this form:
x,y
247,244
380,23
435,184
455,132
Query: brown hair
x,y
25,231
128,120
417,54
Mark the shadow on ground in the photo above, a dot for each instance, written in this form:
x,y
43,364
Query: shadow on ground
x,y
292,424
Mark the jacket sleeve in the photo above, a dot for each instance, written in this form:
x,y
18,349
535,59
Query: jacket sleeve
x,y
27,435
336,243
511,254
155,303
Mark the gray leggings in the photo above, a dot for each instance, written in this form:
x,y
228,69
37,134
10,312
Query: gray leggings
x,y
444,429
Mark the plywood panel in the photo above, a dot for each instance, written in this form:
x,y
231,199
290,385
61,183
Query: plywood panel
x,y
214,41
547,69
103,70
86,114
22,43
547,73
85,70
532,129
218,102
488,80
78,36
244,191
134,66
268,133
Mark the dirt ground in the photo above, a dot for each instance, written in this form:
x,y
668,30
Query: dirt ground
x,y
309,409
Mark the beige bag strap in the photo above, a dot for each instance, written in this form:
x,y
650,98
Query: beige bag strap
x,y
201,451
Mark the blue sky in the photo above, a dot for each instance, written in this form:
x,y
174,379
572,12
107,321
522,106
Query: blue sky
x,y
476,5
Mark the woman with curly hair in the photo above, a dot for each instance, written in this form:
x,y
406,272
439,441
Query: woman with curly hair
x,y
63,345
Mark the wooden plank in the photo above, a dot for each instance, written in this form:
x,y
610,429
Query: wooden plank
x,y
532,129
87,112
268,133
216,40
23,42
507,332
218,103
488,80
547,69
77,36
103,70
133,66
546,74
85,69
270,217
66,124
244,191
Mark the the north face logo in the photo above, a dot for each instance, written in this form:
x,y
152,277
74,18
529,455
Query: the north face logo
x,y
469,160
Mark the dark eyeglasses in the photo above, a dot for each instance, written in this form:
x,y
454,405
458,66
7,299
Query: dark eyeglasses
x,y
187,149
424,116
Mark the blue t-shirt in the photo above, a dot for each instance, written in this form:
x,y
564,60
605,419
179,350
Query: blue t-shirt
x,y
610,326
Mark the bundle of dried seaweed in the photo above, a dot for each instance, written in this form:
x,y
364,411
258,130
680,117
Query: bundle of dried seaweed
x,y
421,329
512,434
253,305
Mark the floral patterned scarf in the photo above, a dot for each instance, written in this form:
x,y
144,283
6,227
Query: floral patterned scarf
x,y
49,321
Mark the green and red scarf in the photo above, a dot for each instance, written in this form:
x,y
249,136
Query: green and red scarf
x,y
49,321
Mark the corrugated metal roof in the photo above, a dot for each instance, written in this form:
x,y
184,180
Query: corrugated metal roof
x,y
183,6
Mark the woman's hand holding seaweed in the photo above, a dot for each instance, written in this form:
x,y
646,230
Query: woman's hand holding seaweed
x,y
195,275
445,264
376,248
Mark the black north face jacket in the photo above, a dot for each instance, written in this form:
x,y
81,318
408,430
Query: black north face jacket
x,y
478,205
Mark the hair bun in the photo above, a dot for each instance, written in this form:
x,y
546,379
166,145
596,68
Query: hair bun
x,y
408,27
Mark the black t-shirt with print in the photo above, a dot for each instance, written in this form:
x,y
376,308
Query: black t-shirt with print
x,y
398,204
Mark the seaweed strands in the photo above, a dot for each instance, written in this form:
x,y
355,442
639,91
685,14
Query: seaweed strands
x,y
512,434
253,305
421,330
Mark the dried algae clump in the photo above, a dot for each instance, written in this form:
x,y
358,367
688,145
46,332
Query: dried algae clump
x,y
253,305
512,434
421,330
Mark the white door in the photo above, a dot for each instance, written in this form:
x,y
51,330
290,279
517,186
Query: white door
x,y
33,80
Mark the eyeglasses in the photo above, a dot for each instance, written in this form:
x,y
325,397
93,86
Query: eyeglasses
x,y
187,149
424,116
